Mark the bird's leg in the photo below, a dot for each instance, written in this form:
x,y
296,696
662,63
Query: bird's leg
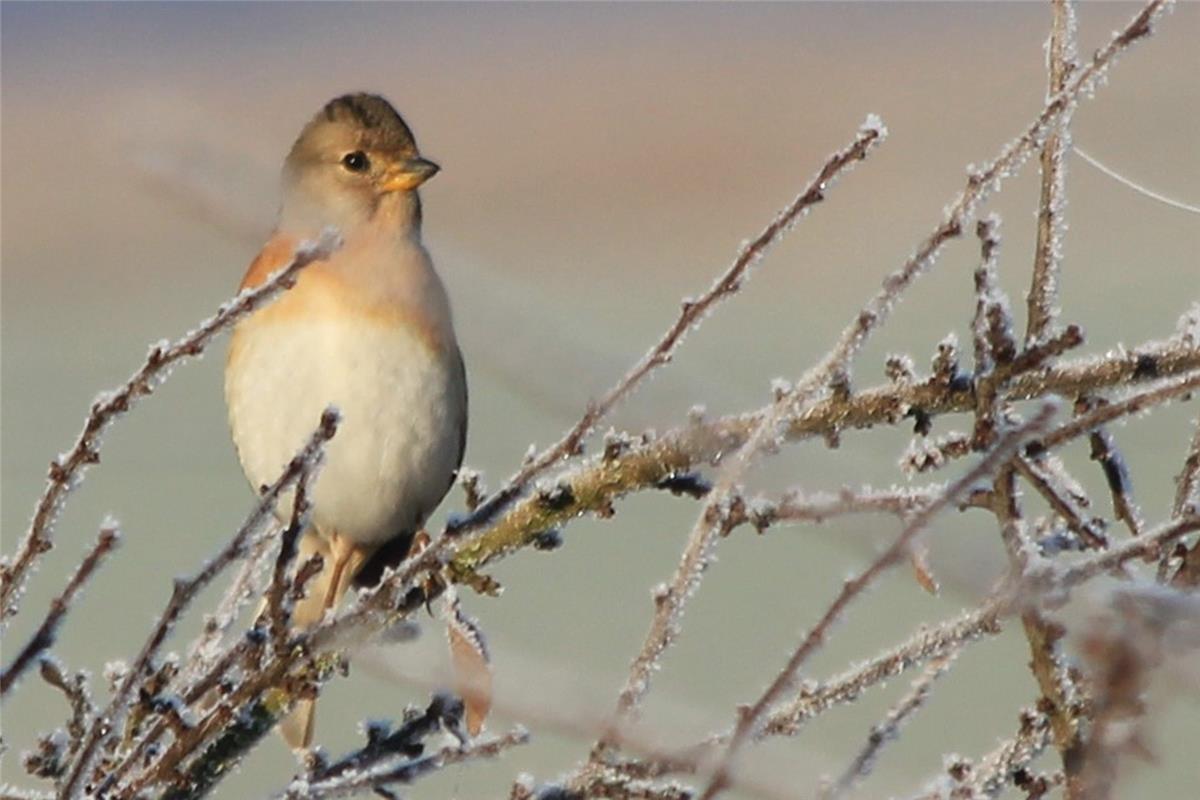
x,y
348,558
341,549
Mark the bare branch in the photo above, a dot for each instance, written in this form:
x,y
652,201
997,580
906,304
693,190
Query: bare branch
x,y
1149,545
926,644
889,728
749,719
1047,257
44,637
406,771
1133,404
186,589
68,470
693,313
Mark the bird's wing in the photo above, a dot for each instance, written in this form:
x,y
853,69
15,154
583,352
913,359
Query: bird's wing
x,y
275,255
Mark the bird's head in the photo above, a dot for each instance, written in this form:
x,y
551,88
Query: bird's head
x,y
353,161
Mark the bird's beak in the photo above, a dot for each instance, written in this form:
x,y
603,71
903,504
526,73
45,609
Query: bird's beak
x,y
409,174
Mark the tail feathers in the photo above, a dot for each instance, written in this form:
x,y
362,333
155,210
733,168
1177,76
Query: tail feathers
x,y
297,727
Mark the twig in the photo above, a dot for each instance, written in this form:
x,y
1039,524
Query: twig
x,y
889,728
404,772
818,507
1116,475
749,719
998,768
1187,483
988,299
1047,256
244,587
1149,545
75,689
185,589
692,314
68,470
1134,403
44,637
594,486
1090,530
279,609
1187,497
926,644
1059,690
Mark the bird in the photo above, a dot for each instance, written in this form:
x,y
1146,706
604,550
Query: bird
x,y
369,331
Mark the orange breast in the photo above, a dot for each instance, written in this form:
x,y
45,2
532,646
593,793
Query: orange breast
x,y
328,288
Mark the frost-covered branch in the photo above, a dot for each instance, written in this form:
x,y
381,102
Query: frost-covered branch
x,y
175,727
750,719
1047,257
184,590
693,313
68,469
43,639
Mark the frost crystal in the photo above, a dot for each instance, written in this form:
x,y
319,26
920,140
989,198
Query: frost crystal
x,y
874,124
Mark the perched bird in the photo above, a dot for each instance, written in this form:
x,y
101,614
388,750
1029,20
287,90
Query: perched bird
x,y
368,331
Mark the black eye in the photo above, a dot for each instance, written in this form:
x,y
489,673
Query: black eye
x,y
356,161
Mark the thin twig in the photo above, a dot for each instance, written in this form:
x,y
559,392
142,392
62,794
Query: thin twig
x,y
988,297
1059,690
184,590
924,645
1043,302
68,470
1187,498
749,719
998,768
692,314
1139,401
44,637
1187,483
889,728
1116,475
1089,530
795,506
279,609
406,771
1149,545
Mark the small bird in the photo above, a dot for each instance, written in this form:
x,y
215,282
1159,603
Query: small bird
x,y
368,331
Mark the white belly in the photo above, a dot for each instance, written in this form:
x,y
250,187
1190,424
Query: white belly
x,y
402,407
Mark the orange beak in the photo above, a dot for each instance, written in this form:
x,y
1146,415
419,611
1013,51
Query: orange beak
x,y
409,174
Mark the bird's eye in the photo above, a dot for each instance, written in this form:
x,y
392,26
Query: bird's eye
x,y
356,161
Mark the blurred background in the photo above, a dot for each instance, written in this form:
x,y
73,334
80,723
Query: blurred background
x,y
599,163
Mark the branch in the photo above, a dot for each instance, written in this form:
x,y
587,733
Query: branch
x,y
692,315
1060,692
67,471
1134,403
185,590
43,639
592,487
889,729
925,645
834,367
406,771
749,719
1148,545
1047,257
